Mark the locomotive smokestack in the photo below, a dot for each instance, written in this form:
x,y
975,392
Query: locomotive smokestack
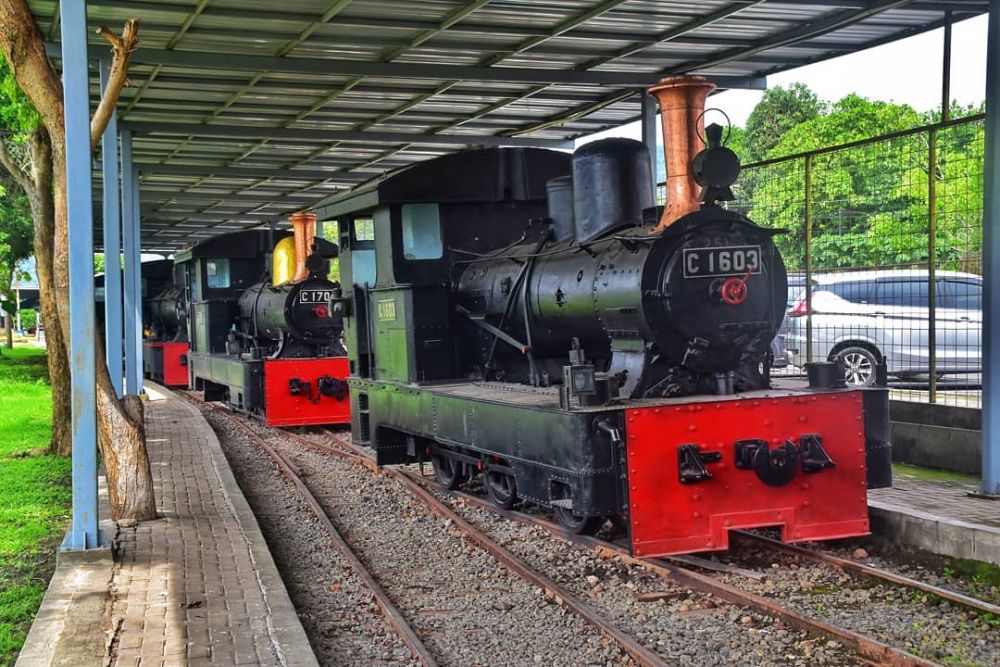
x,y
304,230
682,103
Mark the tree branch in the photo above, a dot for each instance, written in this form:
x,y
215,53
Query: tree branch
x,y
121,52
15,170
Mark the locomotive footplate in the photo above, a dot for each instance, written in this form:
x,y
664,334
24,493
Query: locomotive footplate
x,y
699,470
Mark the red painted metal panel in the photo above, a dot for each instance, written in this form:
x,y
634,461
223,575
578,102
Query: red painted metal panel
x,y
309,407
175,370
668,517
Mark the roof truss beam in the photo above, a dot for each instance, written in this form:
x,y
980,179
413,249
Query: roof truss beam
x,y
395,70
252,173
365,136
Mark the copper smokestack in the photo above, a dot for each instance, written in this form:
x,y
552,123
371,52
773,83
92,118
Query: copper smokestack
x,y
304,230
682,103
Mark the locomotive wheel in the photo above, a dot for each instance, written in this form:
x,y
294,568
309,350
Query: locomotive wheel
x,y
448,472
501,488
578,525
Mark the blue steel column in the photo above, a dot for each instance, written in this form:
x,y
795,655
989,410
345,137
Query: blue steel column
x,y
134,255
84,532
112,245
991,261
133,286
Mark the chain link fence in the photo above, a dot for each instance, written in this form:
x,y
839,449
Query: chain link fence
x,y
883,240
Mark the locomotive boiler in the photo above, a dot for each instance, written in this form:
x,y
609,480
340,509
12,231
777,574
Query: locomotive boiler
x,y
270,345
304,314
531,320
690,308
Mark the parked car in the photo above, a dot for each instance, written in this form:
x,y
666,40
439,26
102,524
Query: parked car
x,y
866,317
779,346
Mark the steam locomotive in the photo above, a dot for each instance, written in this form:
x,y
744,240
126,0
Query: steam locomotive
x,y
531,318
165,346
267,342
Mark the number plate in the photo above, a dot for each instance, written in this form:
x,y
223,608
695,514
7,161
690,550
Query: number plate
x,y
724,261
315,296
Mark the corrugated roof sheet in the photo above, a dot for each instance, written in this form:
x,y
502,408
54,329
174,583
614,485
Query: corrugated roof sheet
x,y
195,184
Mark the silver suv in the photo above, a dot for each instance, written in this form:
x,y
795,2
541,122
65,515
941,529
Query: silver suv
x,y
865,317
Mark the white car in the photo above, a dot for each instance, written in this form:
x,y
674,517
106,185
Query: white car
x,y
867,317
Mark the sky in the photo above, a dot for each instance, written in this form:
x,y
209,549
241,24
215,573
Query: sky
x,y
905,72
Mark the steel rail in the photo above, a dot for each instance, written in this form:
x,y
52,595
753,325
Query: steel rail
x,y
860,569
391,613
512,562
866,647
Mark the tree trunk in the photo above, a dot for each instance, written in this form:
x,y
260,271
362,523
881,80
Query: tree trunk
x,y
43,215
121,425
121,432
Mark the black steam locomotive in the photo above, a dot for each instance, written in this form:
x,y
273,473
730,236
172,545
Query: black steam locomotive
x,y
165,346
510,314
271,350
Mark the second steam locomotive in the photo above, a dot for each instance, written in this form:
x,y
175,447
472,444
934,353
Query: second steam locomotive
x,y
268,342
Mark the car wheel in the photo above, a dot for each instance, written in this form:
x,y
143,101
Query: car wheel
x,y
859,366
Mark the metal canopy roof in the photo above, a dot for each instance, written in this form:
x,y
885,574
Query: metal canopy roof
x,y
246,110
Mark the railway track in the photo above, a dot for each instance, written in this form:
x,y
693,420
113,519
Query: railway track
x,y
684,571
393,615
680,572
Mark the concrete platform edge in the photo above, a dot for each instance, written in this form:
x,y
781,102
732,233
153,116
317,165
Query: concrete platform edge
x,y
83,585
939,535
289,637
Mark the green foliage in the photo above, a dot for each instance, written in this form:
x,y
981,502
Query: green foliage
x,y
99,264
29,318
870,203
777,112
17,115
34,494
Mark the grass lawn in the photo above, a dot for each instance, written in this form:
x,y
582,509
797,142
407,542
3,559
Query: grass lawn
x,y
34,494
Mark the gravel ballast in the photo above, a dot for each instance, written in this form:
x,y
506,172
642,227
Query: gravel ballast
x,y
344,625
466,607
470,610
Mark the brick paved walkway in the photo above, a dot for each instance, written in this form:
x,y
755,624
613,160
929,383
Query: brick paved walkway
x,y
198,586
945,498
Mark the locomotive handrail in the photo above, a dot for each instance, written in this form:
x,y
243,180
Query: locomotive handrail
x,y
497,333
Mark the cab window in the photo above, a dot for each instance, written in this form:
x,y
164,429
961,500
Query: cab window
x,y
217,271
364,229
421,231
363,265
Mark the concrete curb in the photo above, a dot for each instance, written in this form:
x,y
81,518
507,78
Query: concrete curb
x,y
287,634
63,631
948,537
